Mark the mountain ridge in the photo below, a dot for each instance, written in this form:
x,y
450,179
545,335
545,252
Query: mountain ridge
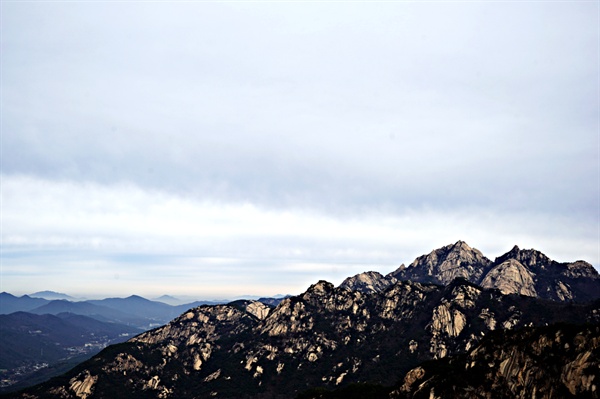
x,y
329,336
527,272
370,328
51,295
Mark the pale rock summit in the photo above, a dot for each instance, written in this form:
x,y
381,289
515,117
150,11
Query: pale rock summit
x,y
510,277
530,272
522,272
258,309
368,282
443,265
527,257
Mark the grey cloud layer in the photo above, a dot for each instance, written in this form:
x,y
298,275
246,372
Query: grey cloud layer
x,y
340,108
398,103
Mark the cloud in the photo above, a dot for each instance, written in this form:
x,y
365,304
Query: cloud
x,y
277,134
86,235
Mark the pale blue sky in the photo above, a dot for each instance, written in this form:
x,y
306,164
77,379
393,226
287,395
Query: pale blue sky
x,y
217,149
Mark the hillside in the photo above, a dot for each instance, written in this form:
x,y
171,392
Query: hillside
x,y
327,337
31,343
365,335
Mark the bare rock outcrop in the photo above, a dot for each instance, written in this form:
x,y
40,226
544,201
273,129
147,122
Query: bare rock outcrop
x,y
371,328
368,282
83,384
519,271
559,361
510,277
443,265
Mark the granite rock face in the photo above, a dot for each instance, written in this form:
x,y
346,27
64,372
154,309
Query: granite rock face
x,y
510,277
443,265
368,282
559,361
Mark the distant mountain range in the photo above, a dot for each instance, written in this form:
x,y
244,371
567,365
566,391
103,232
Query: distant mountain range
x,y
27,357
134,310
51,295
169,300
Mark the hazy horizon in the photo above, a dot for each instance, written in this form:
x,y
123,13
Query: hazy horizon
x,y
165,298
254,148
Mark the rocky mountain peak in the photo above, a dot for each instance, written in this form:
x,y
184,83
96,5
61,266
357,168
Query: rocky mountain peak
x,y
581,269
530,272
519,271
443,265
367,282
527,257
318,290
461,245
326,337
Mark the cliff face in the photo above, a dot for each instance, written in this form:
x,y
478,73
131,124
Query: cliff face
x,y
325,337
530,272
559,361
511,277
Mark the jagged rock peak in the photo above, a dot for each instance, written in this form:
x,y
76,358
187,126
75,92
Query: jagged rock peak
x,y
320,288
443,265
527,257
368,282
255,308
580,269
530,272
326,337
519,271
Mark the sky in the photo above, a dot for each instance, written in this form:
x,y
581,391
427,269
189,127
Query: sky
x,y
219,149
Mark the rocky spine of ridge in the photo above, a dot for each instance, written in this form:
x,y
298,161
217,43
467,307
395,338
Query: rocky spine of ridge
x,y
368,282
522,272
530,272
326,337
443,265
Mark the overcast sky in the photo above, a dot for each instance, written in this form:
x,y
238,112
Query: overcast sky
x,y
220,149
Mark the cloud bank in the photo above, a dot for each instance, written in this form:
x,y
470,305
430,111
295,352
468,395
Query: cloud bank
x,y
228,148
